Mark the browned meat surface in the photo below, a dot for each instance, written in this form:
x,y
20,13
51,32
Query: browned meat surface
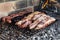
x,y
23,21
45,24
8,18
36,20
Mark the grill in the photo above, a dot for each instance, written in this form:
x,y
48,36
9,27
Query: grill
x,y
11,32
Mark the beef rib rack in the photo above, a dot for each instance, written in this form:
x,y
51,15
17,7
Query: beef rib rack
x,y
36,20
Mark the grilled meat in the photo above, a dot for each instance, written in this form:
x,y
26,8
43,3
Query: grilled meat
x,y
36,20
28,19
45,23
12,16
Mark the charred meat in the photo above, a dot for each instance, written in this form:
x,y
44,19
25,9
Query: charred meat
x,y
36,20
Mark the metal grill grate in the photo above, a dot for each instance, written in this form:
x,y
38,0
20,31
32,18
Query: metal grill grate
x,y
9,32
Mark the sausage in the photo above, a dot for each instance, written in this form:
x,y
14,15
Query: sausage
x,y
8,18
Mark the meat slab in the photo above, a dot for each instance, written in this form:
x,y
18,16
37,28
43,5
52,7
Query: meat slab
x,y
36,20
